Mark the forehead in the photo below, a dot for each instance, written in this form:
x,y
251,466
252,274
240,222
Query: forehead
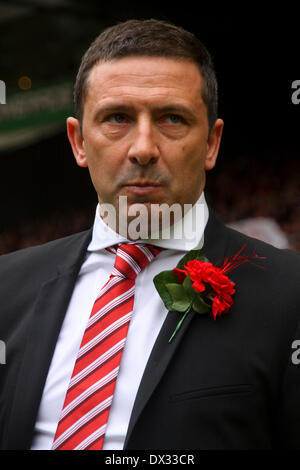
x,y
145,79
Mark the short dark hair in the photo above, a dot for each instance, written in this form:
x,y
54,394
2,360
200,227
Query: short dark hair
x,y
152,38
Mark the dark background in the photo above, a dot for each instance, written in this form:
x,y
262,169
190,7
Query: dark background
x,y
44,195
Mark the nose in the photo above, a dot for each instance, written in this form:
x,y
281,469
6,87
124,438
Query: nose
x,y
144,149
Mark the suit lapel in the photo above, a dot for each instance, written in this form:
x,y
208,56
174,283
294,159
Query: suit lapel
x,y
215,242
42,333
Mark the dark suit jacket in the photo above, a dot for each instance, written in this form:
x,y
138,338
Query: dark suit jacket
x,y
224,384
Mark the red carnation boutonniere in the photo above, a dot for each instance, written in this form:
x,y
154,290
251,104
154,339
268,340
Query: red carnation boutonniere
x,y
196,284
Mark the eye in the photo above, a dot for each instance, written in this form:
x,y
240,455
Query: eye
x,y
117,118
174,119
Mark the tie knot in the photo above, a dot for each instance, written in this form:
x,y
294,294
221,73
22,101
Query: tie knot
x,y
132,258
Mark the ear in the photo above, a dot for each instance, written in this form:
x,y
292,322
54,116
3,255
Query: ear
x,y
213,144
76,141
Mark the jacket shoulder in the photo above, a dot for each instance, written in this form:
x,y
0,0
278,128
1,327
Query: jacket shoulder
x,y
285,258
276,275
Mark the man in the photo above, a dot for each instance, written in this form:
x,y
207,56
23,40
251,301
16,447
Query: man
x,y
147,129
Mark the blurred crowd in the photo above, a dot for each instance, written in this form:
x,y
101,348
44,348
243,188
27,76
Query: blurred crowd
x,y
38,230
262,191
259,199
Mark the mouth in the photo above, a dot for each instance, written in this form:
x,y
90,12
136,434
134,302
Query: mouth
x,y
142,187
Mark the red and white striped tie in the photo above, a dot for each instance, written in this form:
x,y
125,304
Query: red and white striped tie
x,y
89,396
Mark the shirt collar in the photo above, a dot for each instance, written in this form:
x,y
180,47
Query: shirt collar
x,y
185,235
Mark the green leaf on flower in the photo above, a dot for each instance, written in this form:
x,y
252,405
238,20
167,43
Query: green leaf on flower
x,y
177,296
160,281
180,299
188,286
200,306
190,256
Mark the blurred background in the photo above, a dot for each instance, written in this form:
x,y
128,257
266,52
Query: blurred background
x,y
255,186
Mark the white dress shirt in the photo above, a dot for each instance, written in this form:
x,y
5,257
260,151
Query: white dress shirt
x,y
148,316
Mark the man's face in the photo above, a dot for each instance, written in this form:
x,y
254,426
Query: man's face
x,y
145,131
